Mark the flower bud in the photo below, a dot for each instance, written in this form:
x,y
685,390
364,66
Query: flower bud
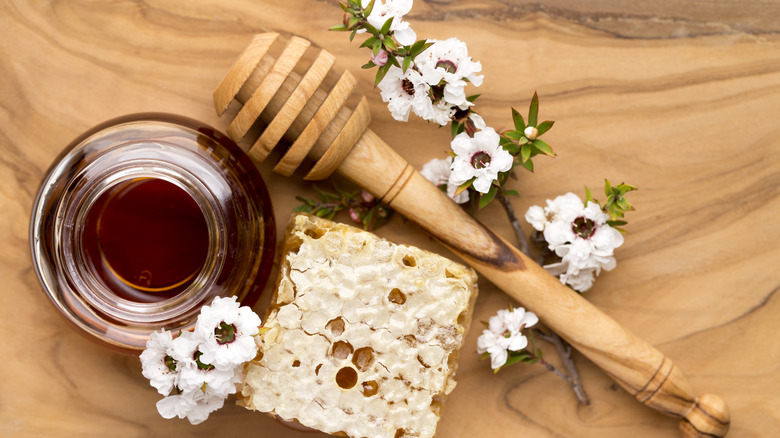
x,y
531,132
367,197
380,58
353,215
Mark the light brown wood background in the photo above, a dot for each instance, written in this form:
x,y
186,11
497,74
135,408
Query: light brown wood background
x,y
679,98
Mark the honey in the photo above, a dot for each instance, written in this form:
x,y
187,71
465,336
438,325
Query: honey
x,y
146,239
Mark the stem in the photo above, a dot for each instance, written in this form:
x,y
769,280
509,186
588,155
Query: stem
x,y
564,351
510,212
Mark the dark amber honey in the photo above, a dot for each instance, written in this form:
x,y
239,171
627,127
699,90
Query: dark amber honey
x,y
146,238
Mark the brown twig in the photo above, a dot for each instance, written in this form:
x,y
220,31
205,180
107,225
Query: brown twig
x,y
510,212
564,351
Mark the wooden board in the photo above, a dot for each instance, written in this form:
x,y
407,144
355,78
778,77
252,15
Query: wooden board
x,y
680,99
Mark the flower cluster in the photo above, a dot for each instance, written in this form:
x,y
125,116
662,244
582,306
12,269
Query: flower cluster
x,y
580,234
429,78
503,340
198,369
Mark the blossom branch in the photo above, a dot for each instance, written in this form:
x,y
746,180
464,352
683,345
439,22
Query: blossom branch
x,y
510,212
564,351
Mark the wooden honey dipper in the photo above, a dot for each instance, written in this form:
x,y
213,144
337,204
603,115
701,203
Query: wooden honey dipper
x,y
318,124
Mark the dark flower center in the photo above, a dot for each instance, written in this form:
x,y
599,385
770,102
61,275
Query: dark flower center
x,y
170,363
583,227
201,365
225,333
407,86
480,160
448,66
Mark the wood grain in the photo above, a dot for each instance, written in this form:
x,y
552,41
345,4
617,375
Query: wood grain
x,y
679,98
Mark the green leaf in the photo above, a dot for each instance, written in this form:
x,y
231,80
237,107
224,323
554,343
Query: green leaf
x,y
407,61
510,147
484,356
369,64
392,60
340,28
417,46
543,147
616,223
386,26
369,42
588,195
353,22
511,193
545,126
454,129
518,120
533,111
380,74
376,46
344,6
525,152
369,8
485,198
473,97
528,165
390,44
607,187
352,35
464,186
371,29
511,360
514,135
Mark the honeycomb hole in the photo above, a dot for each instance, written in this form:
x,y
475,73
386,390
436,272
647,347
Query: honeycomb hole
x,y
370,388
396,296
409,261
363,358
346,378
314,233
336,326
341,350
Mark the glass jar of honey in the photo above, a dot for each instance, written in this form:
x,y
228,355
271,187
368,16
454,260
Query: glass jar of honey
x,y
143,220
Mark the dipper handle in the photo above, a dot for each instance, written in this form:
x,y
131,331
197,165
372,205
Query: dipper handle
x,y
320,124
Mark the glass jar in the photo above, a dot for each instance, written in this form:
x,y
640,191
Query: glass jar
x,y
144,219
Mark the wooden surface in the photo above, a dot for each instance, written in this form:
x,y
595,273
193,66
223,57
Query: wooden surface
x,y
679,99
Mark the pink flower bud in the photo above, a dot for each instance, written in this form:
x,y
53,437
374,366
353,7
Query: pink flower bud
x,y
367,197
353,214
381,58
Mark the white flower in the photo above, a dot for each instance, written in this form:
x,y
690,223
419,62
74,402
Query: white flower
x,y
579,235
480,157
404,91
477,121
195,405
441,112
438,172
197,373
158,364
226,331
536,217
395,9
495,345
504,334
449,61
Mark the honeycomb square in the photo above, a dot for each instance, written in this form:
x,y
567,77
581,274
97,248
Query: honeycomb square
x,y
363,335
